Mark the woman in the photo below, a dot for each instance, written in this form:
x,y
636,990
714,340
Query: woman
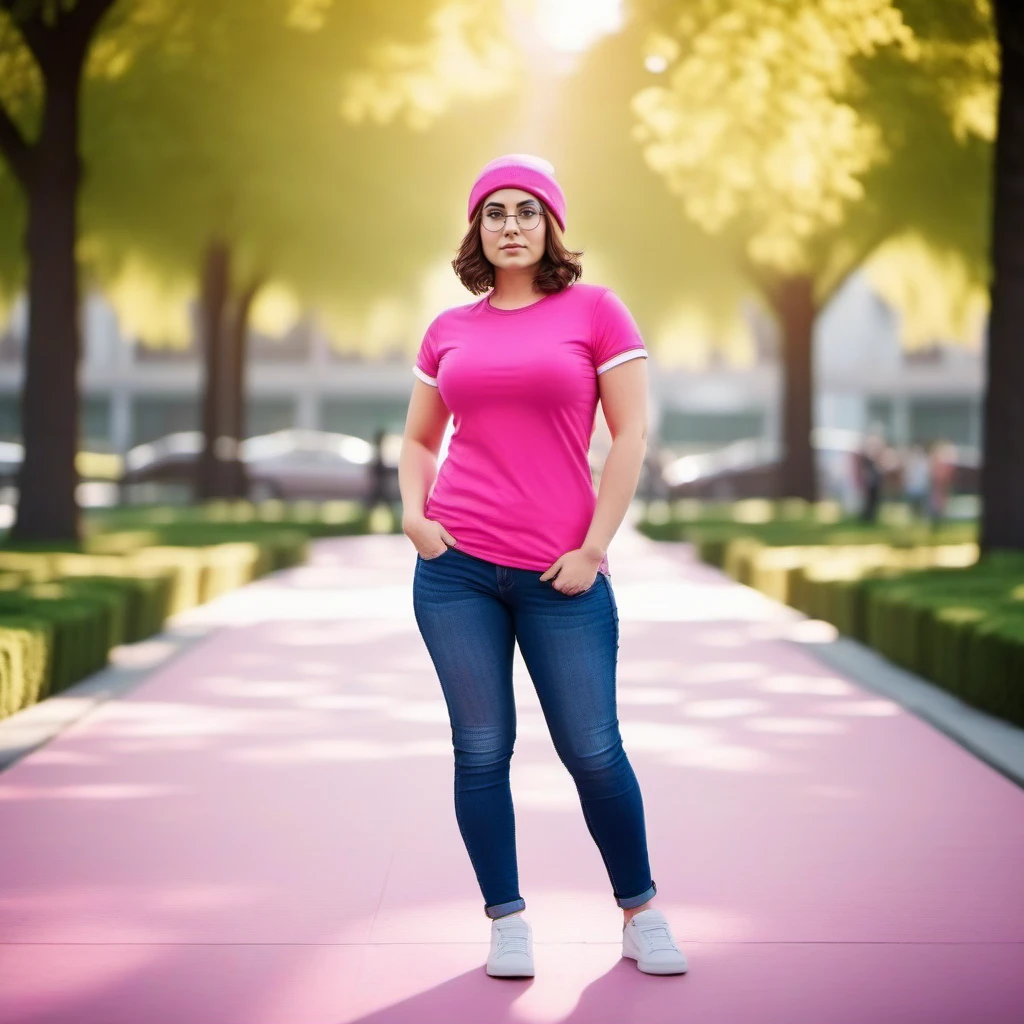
x,y
511,539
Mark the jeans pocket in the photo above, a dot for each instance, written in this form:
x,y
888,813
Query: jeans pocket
x,y
434,558
578,594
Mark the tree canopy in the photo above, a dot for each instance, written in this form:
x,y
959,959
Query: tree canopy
x,y
805,133
334,143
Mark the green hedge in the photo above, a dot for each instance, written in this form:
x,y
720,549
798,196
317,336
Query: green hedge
x,y
919,596
26,653
64,607
85,625
313,518
963,629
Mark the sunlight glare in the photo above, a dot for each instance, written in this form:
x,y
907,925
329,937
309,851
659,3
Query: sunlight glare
x,y
572,26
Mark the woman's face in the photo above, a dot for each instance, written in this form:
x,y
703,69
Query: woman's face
x,y
513,246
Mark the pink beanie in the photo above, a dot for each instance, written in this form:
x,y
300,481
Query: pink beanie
x,y
532,174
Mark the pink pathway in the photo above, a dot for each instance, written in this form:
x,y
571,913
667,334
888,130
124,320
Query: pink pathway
x,y
263,831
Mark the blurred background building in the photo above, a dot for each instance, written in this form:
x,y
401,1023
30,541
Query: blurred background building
x,y
134,394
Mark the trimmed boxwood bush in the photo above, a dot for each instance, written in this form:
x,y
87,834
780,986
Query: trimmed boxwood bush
x,y
26,646
928,622
83,625
918,596
63,609
995,652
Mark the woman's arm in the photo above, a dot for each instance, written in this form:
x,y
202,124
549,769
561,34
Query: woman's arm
x,y
425,424
623,391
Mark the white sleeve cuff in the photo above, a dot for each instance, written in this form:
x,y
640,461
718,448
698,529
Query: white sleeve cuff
x,y
432,381
632,353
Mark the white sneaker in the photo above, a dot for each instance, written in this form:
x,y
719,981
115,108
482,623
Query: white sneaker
x,y
648,940
511,953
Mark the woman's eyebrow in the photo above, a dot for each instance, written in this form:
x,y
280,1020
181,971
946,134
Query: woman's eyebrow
x,y
500,206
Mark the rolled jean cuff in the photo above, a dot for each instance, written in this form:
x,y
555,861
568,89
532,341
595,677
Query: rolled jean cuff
x,y
501,909
636,901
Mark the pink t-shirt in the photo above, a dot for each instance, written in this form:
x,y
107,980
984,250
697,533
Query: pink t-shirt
x,y
515,487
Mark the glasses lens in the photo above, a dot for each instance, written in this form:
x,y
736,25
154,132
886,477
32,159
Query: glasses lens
x,y
529,217
494,220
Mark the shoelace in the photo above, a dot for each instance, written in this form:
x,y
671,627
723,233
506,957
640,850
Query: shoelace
x,y
511,943
657,942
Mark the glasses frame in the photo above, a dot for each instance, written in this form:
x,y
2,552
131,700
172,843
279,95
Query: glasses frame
x,y
484,218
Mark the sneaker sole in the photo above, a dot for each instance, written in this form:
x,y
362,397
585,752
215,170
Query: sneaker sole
x,y
510,972
657,968
629,951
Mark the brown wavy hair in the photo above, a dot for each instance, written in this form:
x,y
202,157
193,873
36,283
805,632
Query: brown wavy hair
x,y
559,267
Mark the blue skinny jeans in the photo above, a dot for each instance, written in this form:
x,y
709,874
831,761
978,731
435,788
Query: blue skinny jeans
x,y
470,612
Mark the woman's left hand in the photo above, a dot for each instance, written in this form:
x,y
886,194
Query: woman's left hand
x,y
576,571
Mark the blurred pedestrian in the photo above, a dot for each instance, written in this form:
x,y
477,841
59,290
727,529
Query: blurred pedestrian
x,y
869,476
940,479
917,479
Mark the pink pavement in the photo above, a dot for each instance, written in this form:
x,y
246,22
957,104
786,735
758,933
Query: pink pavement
x,y
262,832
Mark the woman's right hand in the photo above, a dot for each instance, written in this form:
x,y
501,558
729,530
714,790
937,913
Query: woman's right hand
x,y
429,537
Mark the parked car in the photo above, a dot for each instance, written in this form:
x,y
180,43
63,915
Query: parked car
x,y
742,469
289,464
750,468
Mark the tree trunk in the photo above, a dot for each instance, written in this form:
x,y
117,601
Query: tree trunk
x,y
794,305
211,478
237,336
48,475
1002,471
49,172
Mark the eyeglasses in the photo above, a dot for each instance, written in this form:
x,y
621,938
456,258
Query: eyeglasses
x,y
527,218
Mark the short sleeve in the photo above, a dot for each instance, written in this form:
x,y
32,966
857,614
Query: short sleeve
x,y
615,335
425,366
